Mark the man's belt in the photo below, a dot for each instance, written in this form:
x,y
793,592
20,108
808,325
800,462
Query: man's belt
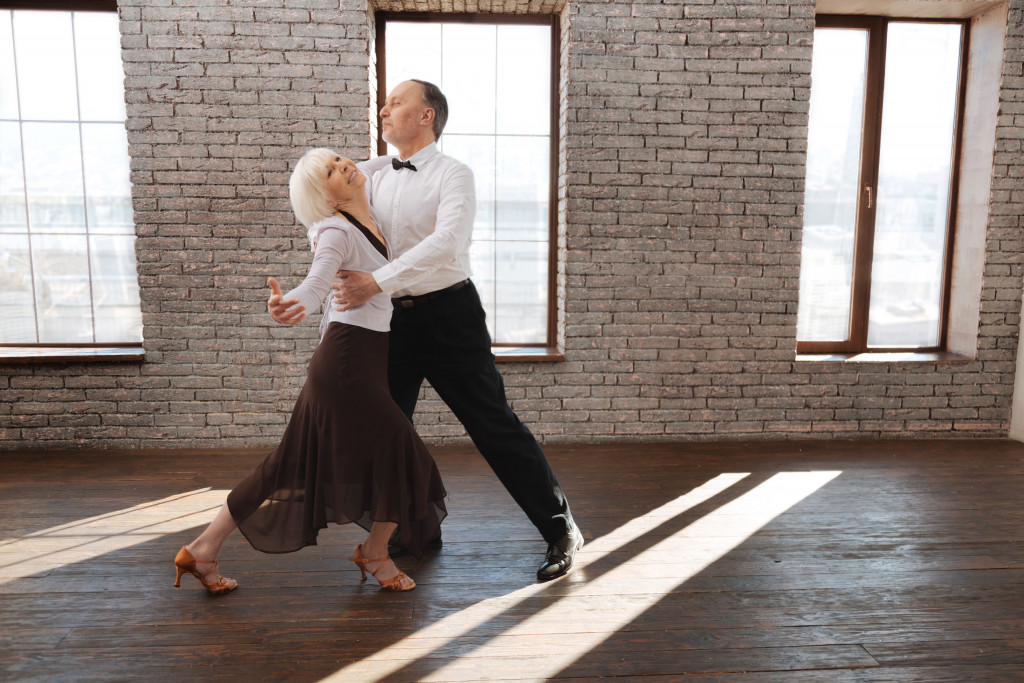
x,y
419,300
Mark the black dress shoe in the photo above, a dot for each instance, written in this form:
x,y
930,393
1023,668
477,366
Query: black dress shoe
x,y
433,544
558,560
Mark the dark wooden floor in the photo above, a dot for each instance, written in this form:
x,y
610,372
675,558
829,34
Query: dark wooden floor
x,y
892,561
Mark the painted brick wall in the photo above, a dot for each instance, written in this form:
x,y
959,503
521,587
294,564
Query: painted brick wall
x,y
684,136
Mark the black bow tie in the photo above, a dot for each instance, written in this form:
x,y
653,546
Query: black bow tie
x,y
396,164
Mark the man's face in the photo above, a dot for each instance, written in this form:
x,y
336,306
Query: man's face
x,y
402,114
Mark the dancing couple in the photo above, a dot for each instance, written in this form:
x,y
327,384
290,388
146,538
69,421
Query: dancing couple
x,y
404,310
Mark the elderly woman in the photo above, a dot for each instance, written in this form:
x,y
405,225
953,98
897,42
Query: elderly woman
x,y
349,454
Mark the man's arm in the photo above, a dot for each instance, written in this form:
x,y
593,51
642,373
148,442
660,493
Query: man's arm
x,y
374,164
452,235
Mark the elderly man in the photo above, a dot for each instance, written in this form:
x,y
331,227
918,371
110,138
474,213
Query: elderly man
x,y
425,204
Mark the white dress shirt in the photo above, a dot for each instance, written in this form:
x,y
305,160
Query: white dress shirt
x,y
427,217
339,244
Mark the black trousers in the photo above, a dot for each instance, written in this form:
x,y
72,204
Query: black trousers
x,y
446,342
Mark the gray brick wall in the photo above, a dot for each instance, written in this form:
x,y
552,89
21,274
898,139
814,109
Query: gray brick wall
x,y
683,134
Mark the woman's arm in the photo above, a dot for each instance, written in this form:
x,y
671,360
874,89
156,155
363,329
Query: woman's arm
x,y
332,248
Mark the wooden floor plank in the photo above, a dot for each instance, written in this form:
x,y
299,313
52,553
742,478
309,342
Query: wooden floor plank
x,y
907,565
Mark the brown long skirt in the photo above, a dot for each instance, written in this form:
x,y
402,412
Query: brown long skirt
x,y
349,454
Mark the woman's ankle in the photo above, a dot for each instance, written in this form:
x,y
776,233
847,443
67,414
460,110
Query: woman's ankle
x,y
203,552
374,552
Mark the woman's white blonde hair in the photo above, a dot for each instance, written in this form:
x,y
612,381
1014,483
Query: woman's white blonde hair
x,y
307,188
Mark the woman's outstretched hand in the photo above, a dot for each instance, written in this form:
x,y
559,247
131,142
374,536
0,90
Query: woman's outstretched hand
x,y
282,311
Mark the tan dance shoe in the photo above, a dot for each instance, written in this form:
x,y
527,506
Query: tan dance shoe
x,y
186,563
392,584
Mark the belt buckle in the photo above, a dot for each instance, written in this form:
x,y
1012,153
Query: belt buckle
x,y
407,303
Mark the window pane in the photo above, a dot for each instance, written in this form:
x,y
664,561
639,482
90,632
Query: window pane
x,y
522,188
16,310
108,188
468,77
64,172
12,180
475,65
477,152
46,66
8,89
522,291
481,255
53,170
413,51
524,98
918,119
100,74
61,267
115,288
838,70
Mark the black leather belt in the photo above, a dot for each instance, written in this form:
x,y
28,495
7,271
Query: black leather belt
x,y
419,300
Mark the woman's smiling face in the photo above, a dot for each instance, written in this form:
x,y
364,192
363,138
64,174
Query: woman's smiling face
x,y
343,179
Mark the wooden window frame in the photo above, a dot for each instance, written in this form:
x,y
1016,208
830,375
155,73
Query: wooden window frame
x,y
870,153
62,5
510,351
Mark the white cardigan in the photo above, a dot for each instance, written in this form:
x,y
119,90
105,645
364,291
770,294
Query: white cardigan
x,y
339,244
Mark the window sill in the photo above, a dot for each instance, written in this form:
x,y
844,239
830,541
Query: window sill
x,y
527,354
887,357
65,354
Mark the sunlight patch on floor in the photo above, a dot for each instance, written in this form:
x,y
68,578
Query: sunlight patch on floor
x,y
41,552
704,541
441,633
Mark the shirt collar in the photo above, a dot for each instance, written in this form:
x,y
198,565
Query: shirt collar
x,y
423,156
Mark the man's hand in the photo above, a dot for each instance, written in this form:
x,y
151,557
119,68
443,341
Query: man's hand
x,y
353,288
282,311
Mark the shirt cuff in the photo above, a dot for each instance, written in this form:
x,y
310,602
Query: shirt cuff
x,y
387,279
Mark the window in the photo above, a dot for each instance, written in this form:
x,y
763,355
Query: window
x,y
497,74
885,119
67,236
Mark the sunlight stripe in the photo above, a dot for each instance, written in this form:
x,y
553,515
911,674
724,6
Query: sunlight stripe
x,y
441,633
705,541
43,551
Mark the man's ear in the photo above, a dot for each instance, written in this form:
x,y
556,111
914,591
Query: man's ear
x,y
427,117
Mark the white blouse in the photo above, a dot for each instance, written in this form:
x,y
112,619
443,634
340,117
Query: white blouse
x,y
339,244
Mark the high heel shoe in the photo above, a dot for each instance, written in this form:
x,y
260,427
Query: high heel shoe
x,y
184,562
392,584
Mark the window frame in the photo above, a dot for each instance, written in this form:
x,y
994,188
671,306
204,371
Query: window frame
x,y
534,351
870,153
61,5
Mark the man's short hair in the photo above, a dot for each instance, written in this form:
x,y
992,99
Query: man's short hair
x,y
436,100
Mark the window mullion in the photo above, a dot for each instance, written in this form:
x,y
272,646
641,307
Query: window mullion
x,y
867,201
954,189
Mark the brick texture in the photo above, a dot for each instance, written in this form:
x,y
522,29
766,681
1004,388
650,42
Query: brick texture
x,y
683,135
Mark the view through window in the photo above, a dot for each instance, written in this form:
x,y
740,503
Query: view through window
x,y
497,79
67,236
881,148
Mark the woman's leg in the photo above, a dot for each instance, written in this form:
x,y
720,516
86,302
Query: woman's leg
x,y
376,546
206,547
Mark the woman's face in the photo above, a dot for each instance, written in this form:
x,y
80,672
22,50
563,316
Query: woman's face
x,y
344,181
